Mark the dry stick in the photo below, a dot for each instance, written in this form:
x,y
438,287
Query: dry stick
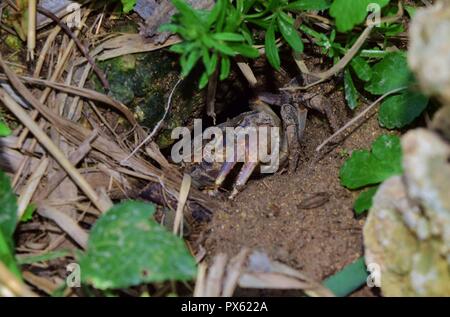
x,y
31,38
74,109
54,77
44,51
26,159
355,119
74,158
248,73
214,279
42,99
12,283
199,290
158,125
82,92
30,187
234,270
343,62
42,283
183,196
69,225
47,143
82,48
339,65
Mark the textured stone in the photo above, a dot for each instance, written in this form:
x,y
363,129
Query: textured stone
x,y
407,232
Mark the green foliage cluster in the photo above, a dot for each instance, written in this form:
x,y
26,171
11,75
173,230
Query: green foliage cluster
x,y
234,28
229,29
237,27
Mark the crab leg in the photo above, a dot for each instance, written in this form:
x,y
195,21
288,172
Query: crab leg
x,y
224,171
244,175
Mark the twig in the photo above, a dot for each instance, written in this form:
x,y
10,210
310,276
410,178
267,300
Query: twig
x,y
248,73
44,50
184,193
81,47
75,157
82,92
339,65
31,187
343,62
31,37
66,223
158,125
12,283
360,115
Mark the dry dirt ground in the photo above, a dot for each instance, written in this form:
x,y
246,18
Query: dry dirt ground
x,y
304,220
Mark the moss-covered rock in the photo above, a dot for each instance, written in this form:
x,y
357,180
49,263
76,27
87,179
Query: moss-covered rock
x,y
144,81
407,233
13,42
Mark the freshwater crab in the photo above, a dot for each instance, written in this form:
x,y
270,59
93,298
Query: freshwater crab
x,y
211,173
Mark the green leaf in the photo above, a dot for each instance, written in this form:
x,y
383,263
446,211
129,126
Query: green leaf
x,y
189,63
178,48
8,220
366,168
390,73
8,211
400,110
204,78
218,8
220,46
7,255
348,280
187,11
351,94
411,10
349,13
127,247
128,5
227,36
225,66
300,5
28,213
361,68
211,63
289,33
271,47
245,50
391,29
4,129
364,200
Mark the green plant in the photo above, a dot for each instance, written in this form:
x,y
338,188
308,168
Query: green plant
x,y
127,247
228,30
4,129
349,279
368,168
128,5
209,36
8,219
